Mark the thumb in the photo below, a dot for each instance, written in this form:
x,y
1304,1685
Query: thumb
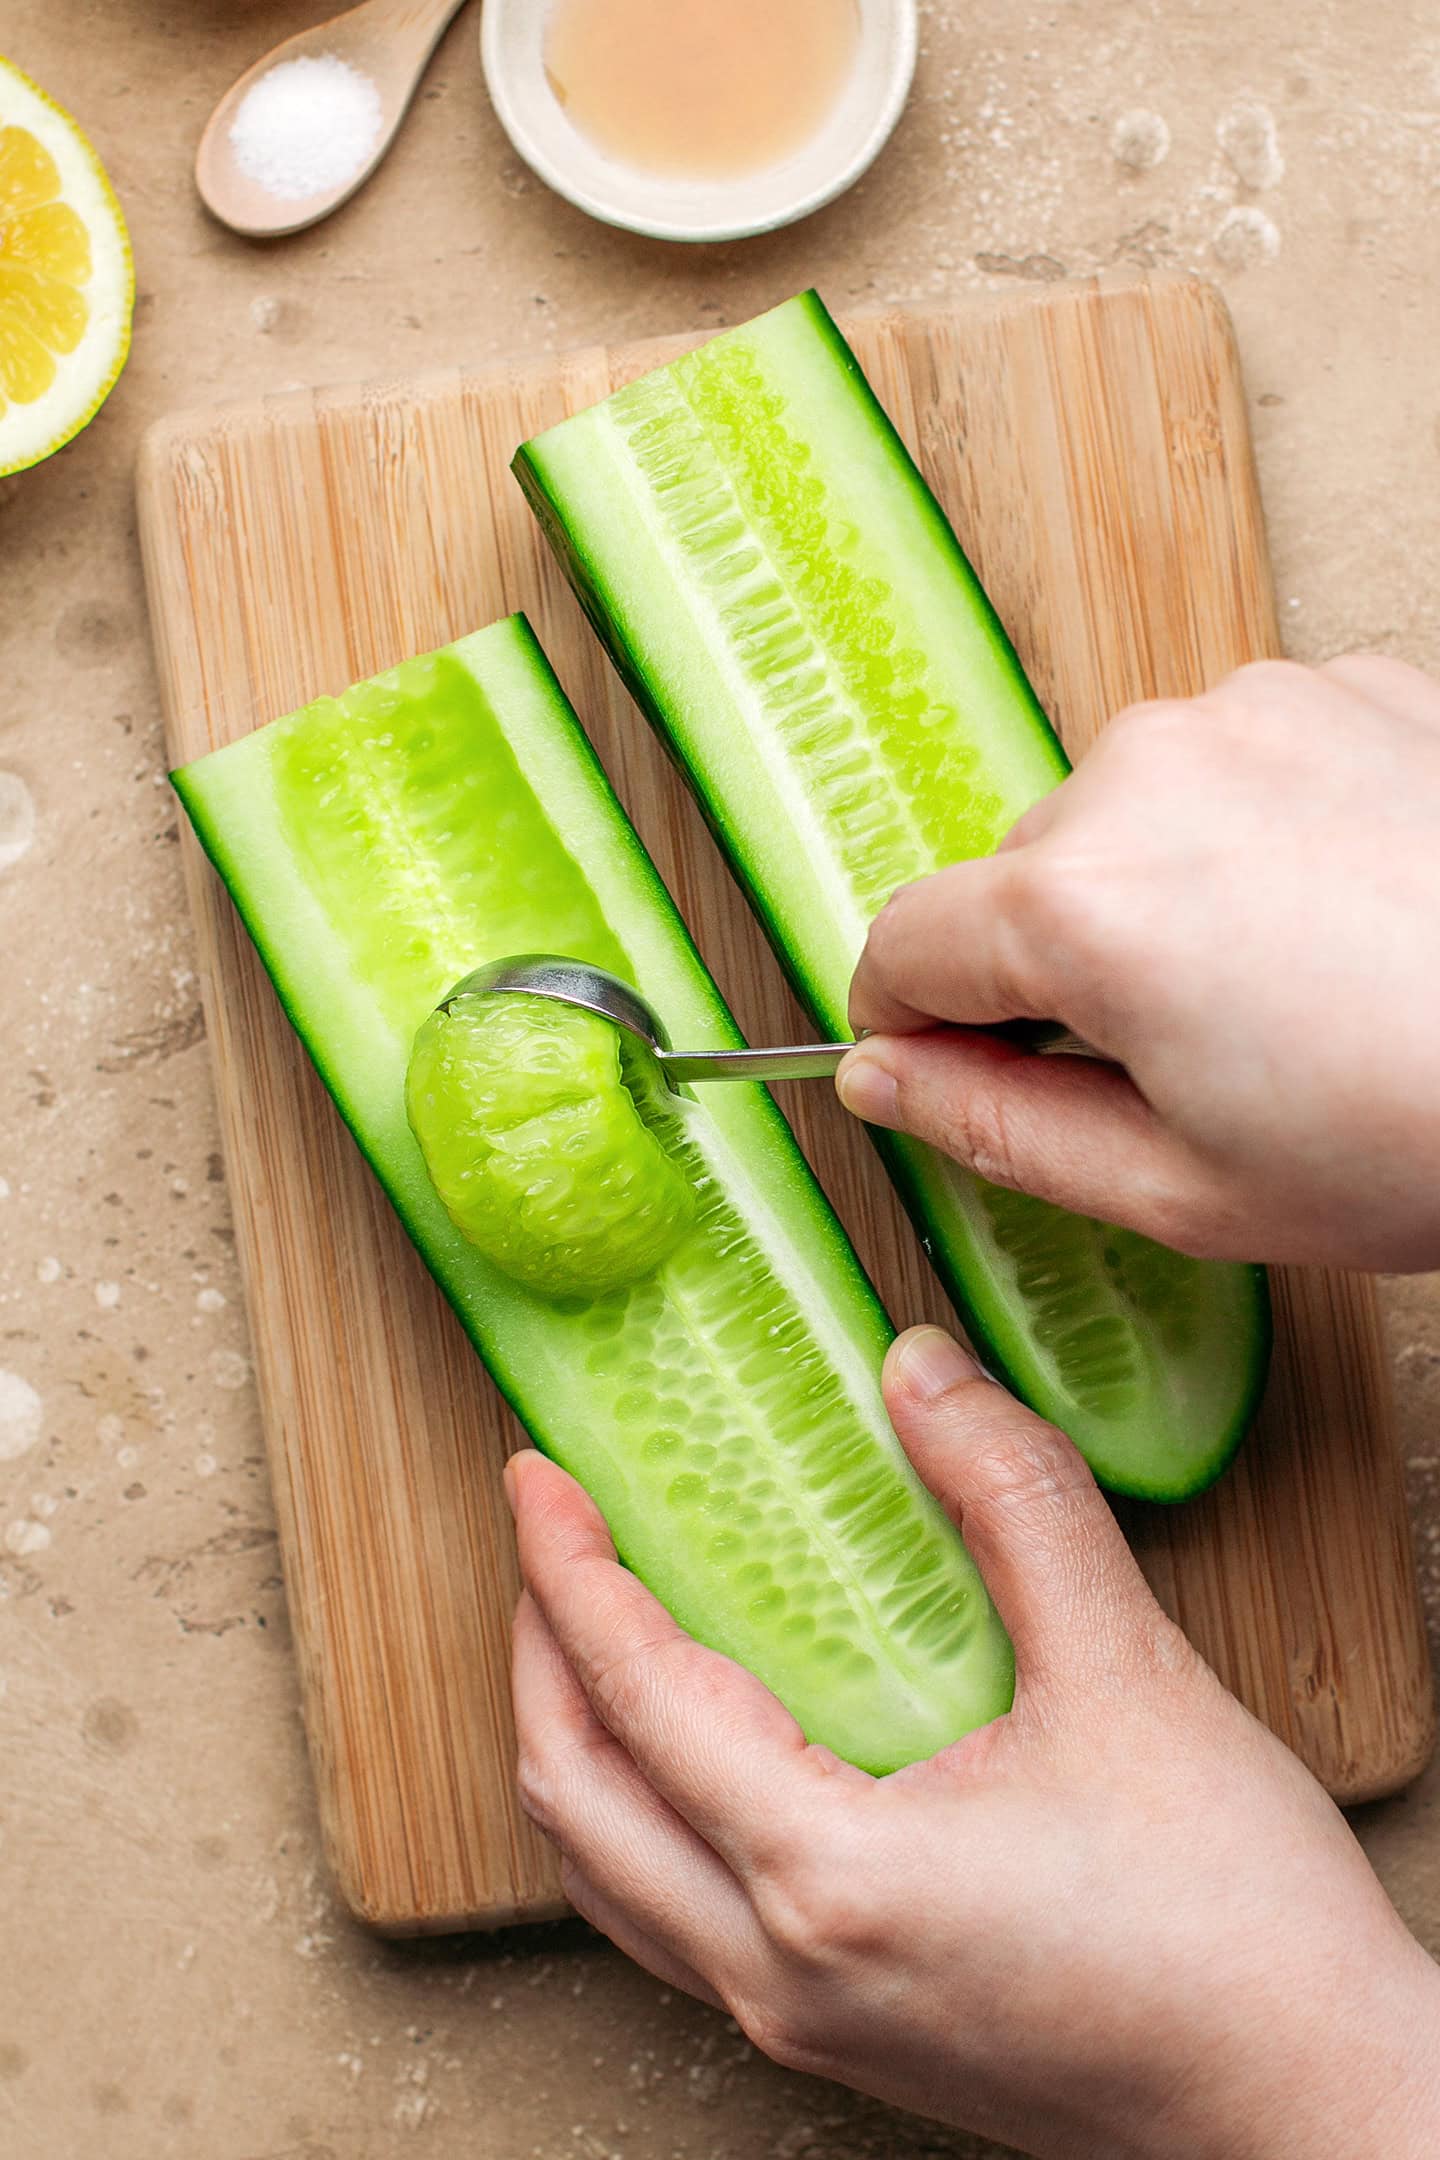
x,y
1069,1130
1064,1582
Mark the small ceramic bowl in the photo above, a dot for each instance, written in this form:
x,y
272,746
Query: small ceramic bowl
x,y
512,41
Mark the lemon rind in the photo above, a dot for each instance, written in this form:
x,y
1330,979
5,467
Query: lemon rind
x,y
76,422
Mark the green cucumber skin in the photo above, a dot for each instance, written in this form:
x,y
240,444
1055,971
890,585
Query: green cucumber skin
x,y
1151,1470
950,1668
909,1181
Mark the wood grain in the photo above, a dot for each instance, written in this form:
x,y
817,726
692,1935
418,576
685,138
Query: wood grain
x,y
1092,449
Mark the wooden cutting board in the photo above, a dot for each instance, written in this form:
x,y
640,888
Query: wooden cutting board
x,y
1091,447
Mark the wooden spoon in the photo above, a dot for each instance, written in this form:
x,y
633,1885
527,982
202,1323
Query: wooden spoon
x,y
390,41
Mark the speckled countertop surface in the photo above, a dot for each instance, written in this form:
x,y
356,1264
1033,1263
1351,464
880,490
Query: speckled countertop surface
x,y
177,1980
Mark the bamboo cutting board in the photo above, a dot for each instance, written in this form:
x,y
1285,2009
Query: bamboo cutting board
x,y
1091,447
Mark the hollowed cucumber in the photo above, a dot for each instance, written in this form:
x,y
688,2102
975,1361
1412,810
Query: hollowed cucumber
x,y
783,595
724,1409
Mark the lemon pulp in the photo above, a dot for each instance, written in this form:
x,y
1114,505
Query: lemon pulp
x,y
66,281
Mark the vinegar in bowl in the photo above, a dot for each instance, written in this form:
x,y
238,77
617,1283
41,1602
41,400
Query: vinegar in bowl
x,y
700,89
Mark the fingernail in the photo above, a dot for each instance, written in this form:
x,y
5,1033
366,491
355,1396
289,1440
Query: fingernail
x,y
509,1482
868,1088
928,1362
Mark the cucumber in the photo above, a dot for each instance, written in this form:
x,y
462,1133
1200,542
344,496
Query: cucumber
x,y
785,599
724,1410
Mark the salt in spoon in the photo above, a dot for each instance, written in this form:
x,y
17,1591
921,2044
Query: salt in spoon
x,y
388,41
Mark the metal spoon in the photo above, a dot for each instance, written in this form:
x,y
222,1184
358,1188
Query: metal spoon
x,y
593,989
390,41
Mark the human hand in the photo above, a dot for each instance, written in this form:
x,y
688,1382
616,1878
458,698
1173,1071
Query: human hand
x,y
1120,1920
1237,897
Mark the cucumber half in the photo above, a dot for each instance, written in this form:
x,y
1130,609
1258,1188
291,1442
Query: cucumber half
x,y
725,1410
784,597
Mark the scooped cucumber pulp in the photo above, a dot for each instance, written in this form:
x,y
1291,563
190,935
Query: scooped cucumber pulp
x,y
783,595
723,1408
548,1153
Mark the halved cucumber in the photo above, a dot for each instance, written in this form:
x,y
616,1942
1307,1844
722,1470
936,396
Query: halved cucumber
x,y
784,597
724,1411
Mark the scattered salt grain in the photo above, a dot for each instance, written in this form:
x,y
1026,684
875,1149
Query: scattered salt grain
x,y
1248,137
306,127
21,1416
1140,140
1246,238
229,1369
17,819
24,1537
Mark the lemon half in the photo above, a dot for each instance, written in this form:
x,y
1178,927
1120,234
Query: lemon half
x,y
67,282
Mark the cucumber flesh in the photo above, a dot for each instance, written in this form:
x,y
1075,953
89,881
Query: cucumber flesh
x,y
547,1155
784,597
723,1409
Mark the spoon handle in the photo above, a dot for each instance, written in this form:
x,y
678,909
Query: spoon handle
x,y
409,18
818,1061
799,1061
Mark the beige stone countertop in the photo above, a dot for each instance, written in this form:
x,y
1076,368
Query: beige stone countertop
x,y
175,1976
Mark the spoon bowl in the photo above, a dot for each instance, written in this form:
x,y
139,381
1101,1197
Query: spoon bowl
x,y
389,42
596,990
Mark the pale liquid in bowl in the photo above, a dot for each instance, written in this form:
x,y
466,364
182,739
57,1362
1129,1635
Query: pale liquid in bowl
x,y
700,89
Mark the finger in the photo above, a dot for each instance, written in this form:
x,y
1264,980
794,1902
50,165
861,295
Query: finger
x,y
614,1921
707,1735
1393,684
948,948
1036,820
1064,1581
582,1789
1070,1130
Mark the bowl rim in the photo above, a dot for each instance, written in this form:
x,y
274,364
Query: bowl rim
x,y
866,147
